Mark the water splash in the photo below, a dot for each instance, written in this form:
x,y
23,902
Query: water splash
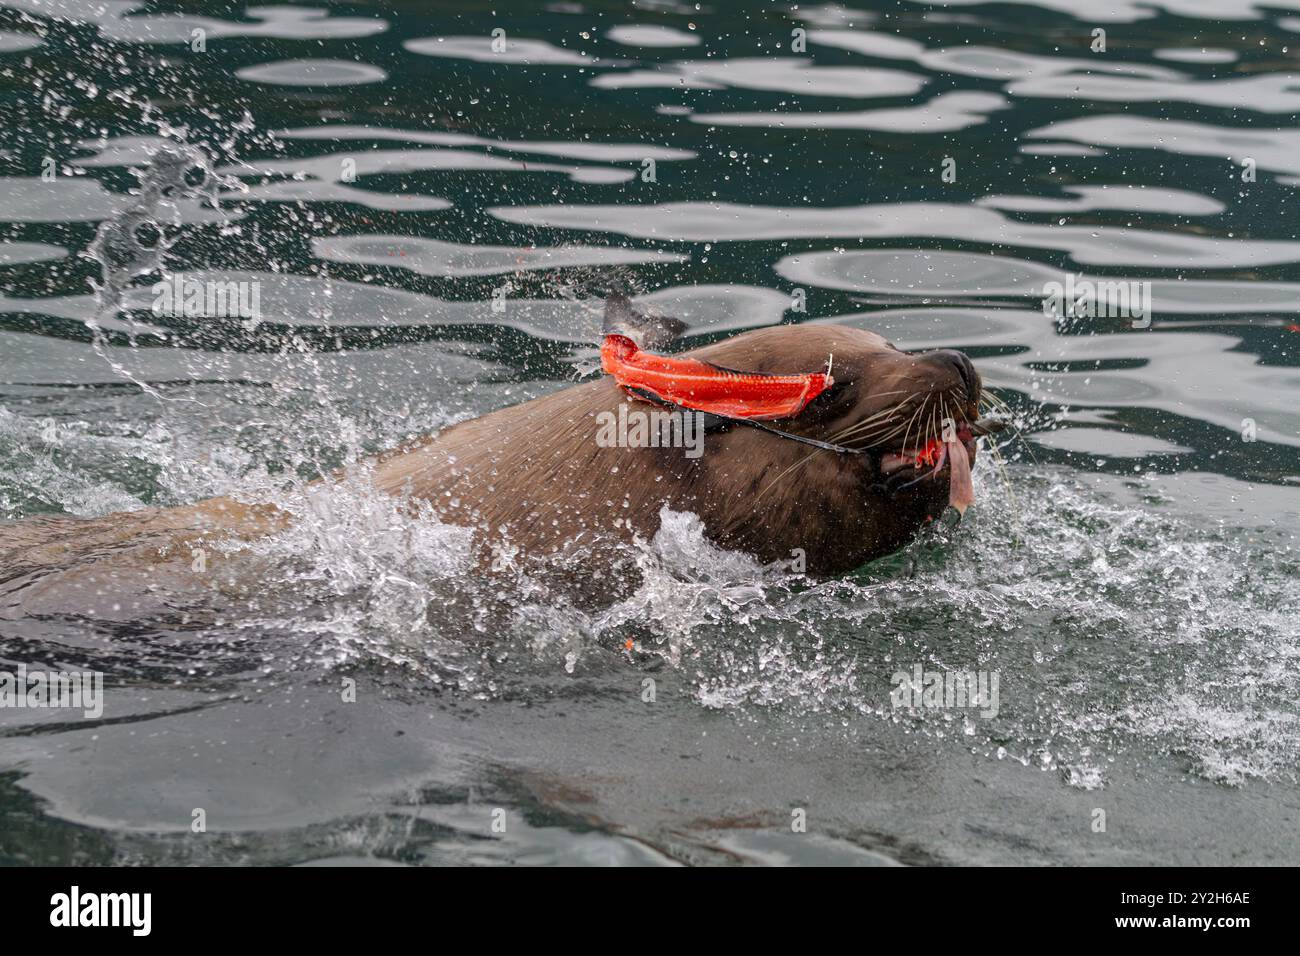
x,y
1197,662
136,240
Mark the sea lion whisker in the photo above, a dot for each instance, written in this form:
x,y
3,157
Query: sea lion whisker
x,y
864,426
881,442
882,413
871,441
878,418
1000,466
891,434
882,432
886,435
998,408
873,423
773,483
994,402
894,391
914,439
907,435
863,443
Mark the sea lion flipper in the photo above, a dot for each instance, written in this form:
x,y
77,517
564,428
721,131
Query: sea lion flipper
x,y
647,331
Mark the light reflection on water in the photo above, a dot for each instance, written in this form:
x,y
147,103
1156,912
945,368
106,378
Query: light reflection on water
x,y
1130,576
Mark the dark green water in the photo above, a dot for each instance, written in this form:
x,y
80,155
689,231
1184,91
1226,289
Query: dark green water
x,y
920,170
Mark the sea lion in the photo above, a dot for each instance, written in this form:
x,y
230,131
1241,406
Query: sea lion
x,y
883,448
537,476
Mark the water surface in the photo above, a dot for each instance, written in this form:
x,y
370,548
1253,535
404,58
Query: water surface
x,y
380,171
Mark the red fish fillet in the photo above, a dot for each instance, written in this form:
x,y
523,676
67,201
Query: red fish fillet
x,y
704,387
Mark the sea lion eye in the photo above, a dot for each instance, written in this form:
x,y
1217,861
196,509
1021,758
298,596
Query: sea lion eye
x,y
841,390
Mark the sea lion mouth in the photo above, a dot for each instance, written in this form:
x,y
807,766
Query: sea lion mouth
x,y
931,453
900,469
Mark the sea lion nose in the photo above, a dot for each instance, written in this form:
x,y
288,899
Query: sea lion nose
x,y
965,368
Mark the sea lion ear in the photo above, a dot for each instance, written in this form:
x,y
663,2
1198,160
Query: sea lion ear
x,y
647,331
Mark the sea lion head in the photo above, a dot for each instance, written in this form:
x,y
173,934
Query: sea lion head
x,y
881,398
905,425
